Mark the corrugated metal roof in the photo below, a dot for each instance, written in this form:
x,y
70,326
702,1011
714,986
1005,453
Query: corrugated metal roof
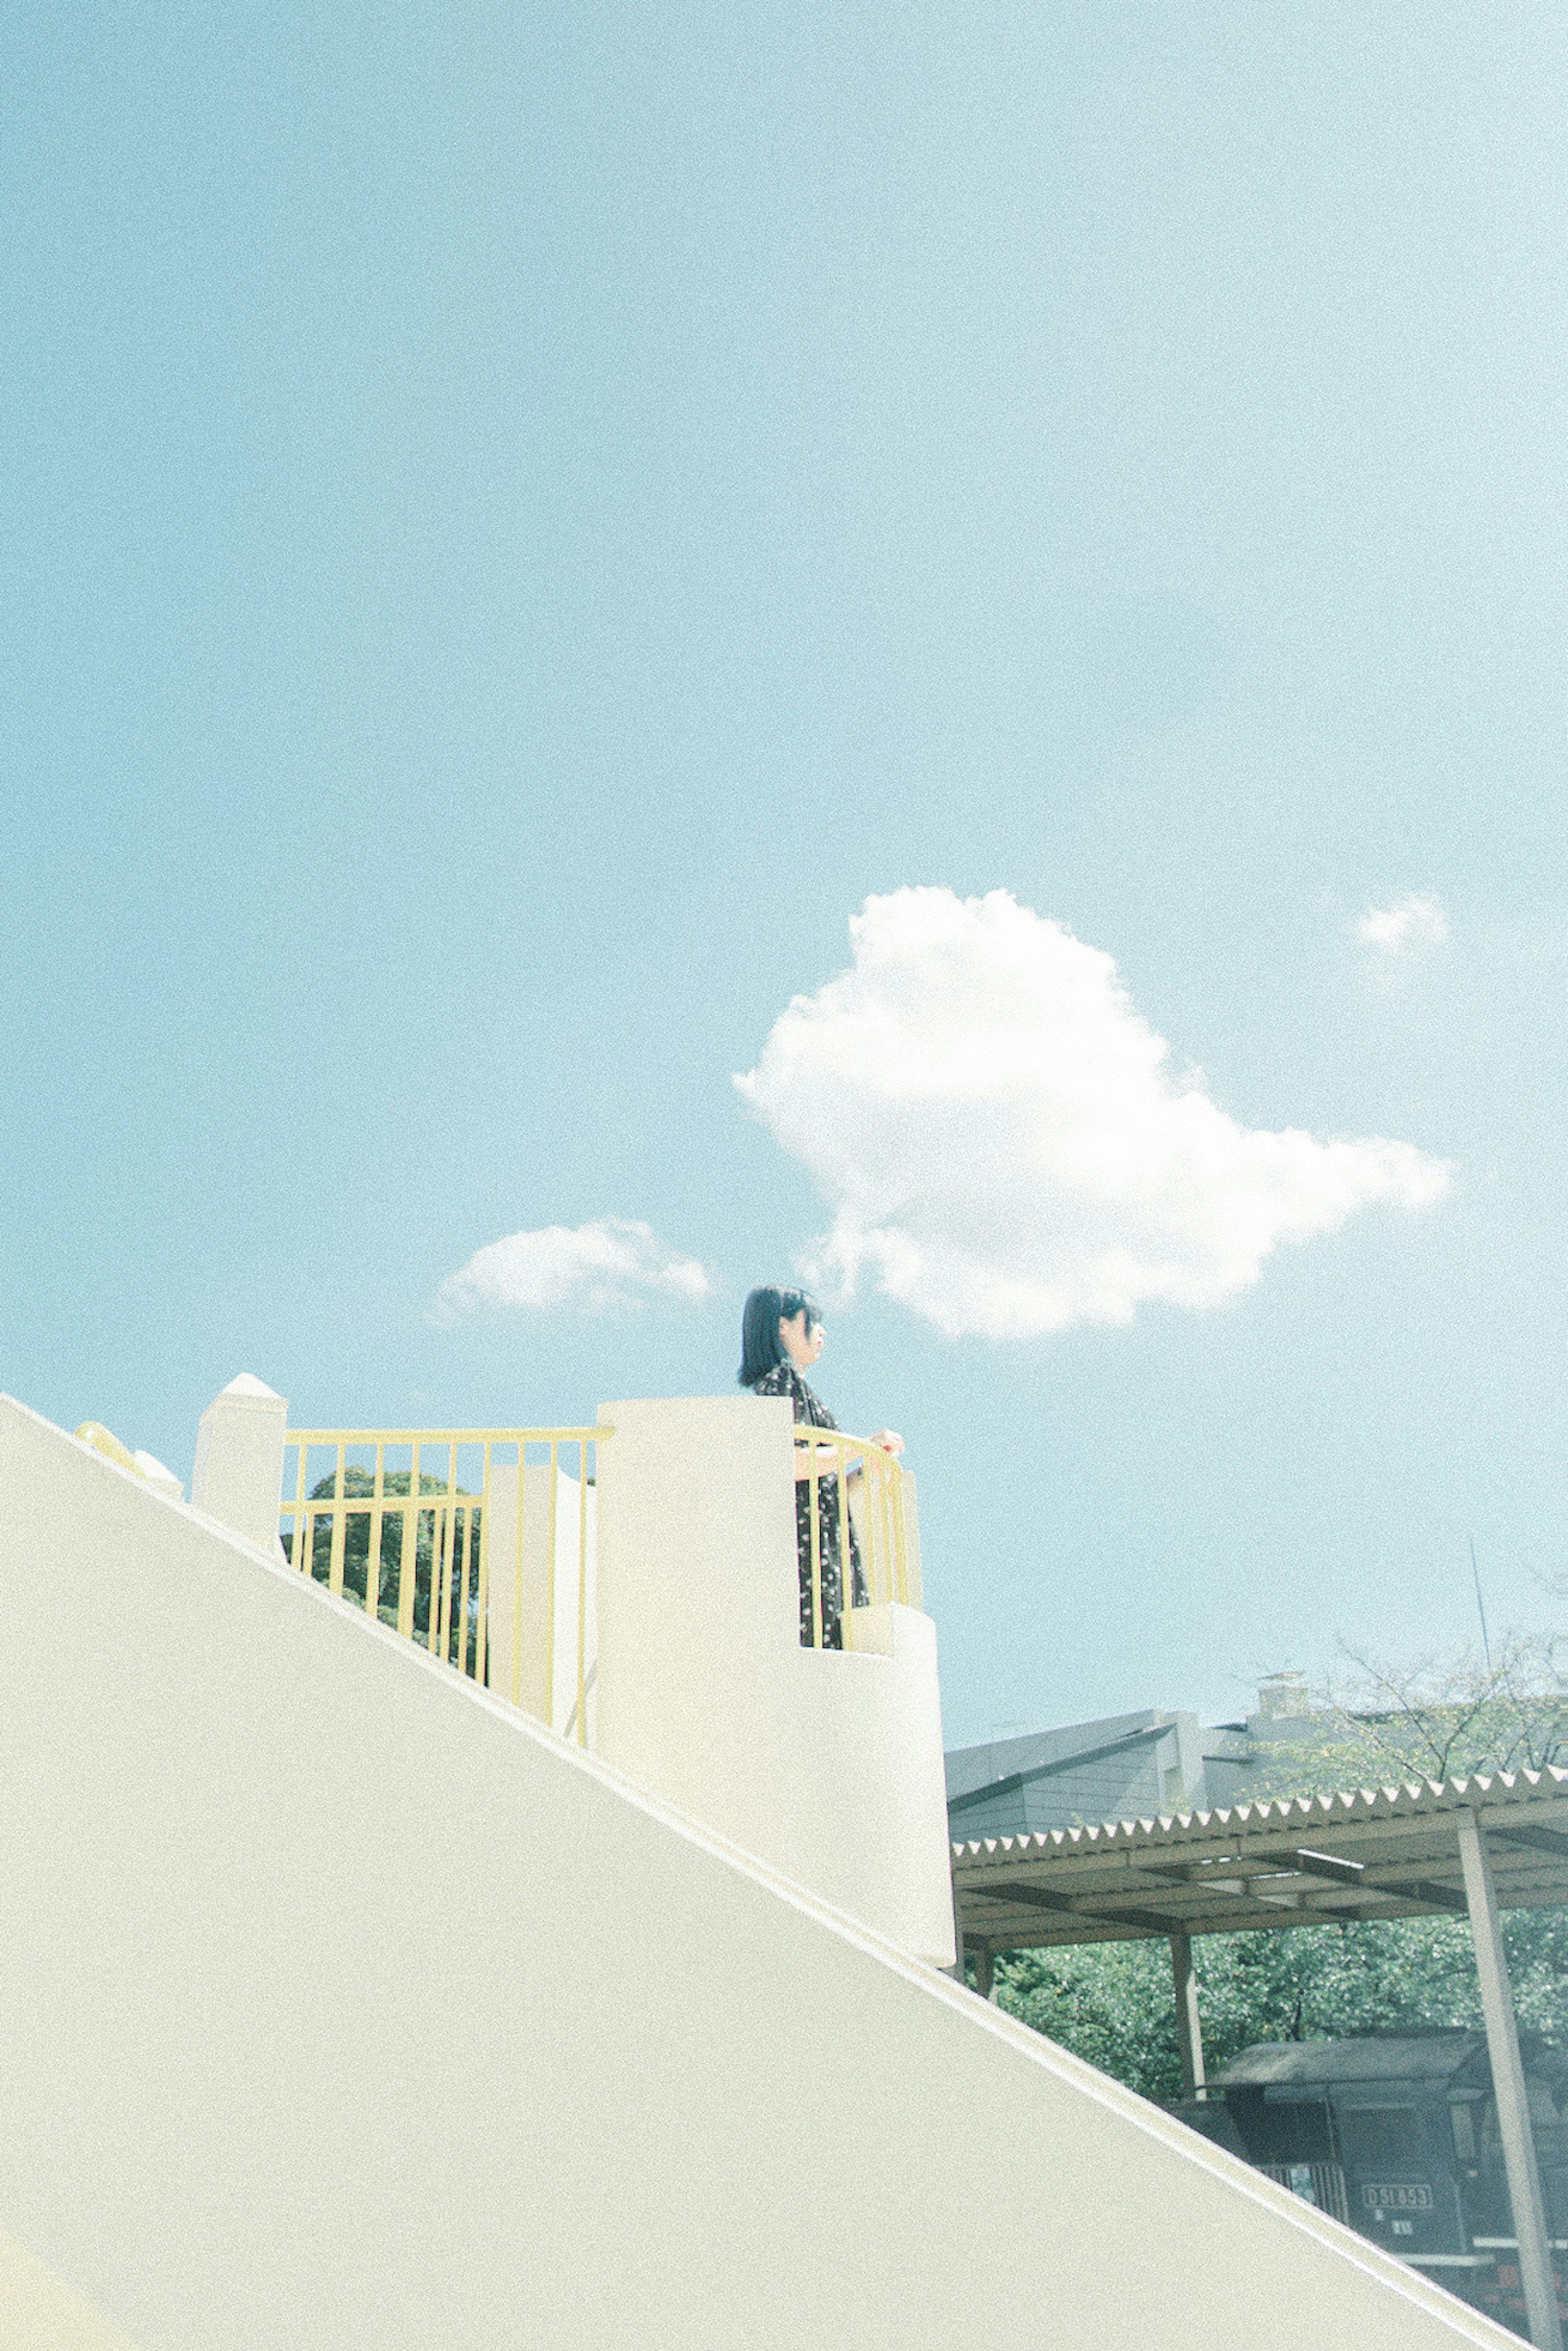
x,y
1385,1852
1436,2056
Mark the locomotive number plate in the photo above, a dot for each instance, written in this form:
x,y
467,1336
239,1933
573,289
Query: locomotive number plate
x,y
1413,2197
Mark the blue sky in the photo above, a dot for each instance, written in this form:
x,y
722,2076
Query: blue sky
x,y
518,521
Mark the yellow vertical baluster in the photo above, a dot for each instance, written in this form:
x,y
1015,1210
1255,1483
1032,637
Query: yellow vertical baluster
x,y
811,1491
481,1601
876,1525
340,1516
846,1575
433,1614
877,1574
462,1611
301,1556
518,1589
869,1526
523,1444
549,1667
432,1609
440,1563
373,1549
582,1592
448,1580
900,1542
408,1562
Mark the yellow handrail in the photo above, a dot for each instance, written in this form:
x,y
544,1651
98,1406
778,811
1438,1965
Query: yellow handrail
x,y
441,1595
871,1542
447,1584
104,1440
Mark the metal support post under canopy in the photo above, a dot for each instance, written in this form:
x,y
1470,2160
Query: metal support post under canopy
x,y
1507,2089
1189,2028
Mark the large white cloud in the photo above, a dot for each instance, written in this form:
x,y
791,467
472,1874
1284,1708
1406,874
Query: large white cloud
x,y
605,1263
1004,1146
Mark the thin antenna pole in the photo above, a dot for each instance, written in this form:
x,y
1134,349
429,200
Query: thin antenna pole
x,y
1480,1604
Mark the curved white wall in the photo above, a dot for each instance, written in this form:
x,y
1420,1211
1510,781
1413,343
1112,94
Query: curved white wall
x,y
827,1765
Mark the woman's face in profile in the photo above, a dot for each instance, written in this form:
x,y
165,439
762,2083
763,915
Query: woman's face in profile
x,y
801,1346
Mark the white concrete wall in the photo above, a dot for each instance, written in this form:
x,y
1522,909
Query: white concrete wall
x,y
344,2009
38,2312
826,1764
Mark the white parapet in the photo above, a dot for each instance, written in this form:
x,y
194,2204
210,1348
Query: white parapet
x,y
826,1765
239,1473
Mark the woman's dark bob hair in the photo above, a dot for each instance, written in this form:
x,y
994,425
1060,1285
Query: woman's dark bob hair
x,y
760,1346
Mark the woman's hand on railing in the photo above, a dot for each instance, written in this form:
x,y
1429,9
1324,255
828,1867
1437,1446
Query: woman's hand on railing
x,y
887,1440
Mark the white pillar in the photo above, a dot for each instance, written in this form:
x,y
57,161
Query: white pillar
x,y
1189,2028
1508,2088
545,1601
238,1475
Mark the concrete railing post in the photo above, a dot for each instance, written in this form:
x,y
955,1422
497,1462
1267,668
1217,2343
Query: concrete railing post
x,y
238,1475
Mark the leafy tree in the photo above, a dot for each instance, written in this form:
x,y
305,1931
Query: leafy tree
x,y
1113,2003
359,1484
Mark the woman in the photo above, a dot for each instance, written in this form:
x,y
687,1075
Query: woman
x,y
781,1336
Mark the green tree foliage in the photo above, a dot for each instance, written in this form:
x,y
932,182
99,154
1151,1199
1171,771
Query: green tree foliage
x,y
430,1550
1114,2004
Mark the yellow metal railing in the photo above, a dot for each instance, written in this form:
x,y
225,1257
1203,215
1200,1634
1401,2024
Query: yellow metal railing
x,y
862,1516
415,1541
416,1544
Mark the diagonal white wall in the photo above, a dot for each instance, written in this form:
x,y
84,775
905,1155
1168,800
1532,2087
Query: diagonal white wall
x,y
38,2312
342,2009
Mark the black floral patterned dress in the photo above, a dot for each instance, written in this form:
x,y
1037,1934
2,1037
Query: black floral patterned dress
x,y
784,1380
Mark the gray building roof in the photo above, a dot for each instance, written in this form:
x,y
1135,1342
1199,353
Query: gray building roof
x,y
1120,1767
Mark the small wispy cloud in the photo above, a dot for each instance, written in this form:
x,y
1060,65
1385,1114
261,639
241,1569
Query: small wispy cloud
x,y
1409,926
610,1262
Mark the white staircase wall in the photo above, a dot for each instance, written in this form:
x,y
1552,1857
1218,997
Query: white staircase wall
x,y
342,2008
38,2312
